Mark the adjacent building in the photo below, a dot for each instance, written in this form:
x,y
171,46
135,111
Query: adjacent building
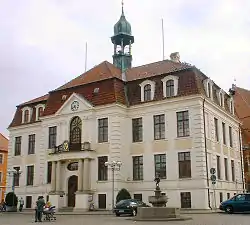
x,y
164,119
242,108
3,165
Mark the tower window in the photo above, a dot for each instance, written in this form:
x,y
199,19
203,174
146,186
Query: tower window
x,y
147,92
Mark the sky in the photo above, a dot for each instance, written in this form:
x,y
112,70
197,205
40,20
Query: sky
x,y
42,42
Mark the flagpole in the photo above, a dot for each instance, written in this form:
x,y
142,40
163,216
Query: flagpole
x,y
163,41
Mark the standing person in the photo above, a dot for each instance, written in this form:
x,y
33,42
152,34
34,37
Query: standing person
x,y
40,203
21,202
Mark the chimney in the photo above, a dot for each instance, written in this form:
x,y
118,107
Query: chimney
x,y
175,57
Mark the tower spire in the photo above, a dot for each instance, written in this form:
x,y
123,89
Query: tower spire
x,y
122,8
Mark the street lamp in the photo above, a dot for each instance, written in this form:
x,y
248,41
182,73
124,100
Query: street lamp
x,y
115,166
15,172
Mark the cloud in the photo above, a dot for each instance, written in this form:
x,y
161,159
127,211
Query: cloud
x,y
42,42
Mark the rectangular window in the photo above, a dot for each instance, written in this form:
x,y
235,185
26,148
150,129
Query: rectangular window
x,y
30,176
182,124
137,167
16,176
233,170
226,169
32,142
102,169
103,130
1,177
224,133
184,160
137,130
186,200
221,197
216,129
1,158
18,142
218,167
230,137
28,202
160,166
49,172
138,197
159,127
52,137
228,195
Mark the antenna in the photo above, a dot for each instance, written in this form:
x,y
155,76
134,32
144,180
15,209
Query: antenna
x,y
86,55
163,44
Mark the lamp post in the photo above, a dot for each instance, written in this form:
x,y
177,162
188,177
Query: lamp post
x,y
115,166
15,172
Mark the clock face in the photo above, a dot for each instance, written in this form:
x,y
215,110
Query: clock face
x,y
74,105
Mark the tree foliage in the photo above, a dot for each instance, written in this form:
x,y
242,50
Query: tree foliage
x,y
123,194
11,199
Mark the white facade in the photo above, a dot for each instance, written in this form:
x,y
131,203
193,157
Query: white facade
x,y
120,147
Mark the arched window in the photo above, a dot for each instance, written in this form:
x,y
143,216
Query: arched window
x,y
170,88
26,116
75,133
147,92
40,111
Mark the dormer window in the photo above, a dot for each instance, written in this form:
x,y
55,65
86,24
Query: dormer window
x,y
231,105
147,90
170,86
208,85
221,98
26,114
39,111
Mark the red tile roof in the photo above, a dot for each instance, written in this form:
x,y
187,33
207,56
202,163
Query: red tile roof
x,y
3,143
103,71
242,107
112,89
35,100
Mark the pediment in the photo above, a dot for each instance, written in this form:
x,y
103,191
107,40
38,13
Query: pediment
x,y
75,103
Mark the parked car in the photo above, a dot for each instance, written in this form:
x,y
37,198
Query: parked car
x,y
238,203
128,206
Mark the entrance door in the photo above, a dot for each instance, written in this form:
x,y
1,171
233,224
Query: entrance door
x,y
102,201
72,188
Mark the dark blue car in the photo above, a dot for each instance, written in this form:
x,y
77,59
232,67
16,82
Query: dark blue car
x,y
238,203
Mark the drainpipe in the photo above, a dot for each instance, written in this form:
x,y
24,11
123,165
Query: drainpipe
x,y
205,143
241,163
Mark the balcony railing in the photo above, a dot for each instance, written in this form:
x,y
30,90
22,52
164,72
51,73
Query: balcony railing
x,y
71,147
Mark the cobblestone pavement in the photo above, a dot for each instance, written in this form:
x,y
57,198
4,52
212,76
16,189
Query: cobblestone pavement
x,y
198,219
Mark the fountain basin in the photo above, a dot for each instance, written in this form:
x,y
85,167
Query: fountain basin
x,y
159,214
158,200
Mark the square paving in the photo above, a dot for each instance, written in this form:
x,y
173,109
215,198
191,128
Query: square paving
x,y
198,219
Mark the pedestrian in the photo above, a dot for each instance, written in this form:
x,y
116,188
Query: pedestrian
x,y
21,203
40,203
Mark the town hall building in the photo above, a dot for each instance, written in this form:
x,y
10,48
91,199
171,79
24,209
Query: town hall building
x,y
165,119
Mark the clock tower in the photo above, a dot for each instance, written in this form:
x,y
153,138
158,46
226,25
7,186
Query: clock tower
x,y
122,41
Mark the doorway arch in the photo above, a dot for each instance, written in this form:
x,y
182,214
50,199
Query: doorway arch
x,y
72,189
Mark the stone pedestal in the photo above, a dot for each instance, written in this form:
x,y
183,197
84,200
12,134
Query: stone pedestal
x,y
56,200
82,203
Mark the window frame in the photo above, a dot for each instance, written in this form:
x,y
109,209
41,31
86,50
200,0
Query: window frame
x,y
183,126
137,167
103,126
230,133
18,146
31,144
137,130
170,88
224,133
52,137
147,89
185,166
161,170
102,169
218,166
216,129
159,126
226,168
30,170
